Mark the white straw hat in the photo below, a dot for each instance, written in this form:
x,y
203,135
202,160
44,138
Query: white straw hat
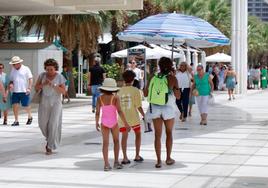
x,y
109,84
15,60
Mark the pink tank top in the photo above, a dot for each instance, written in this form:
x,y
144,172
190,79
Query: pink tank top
x,y
109,114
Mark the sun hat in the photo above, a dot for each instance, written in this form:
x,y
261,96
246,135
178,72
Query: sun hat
x,y
15,60
109,84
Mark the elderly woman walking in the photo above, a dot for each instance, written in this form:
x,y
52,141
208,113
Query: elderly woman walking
x,y
202,88
52,86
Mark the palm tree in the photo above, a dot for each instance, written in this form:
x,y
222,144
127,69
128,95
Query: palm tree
x,y
76,32
5,28
73,30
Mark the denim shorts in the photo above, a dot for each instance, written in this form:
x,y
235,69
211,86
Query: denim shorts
x,y
20,98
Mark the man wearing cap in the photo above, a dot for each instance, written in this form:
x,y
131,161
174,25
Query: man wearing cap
x,y
21,80
96,75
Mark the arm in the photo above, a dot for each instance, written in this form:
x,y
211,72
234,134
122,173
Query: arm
x,y
60,88
120,112
211,84
38,85
145,91
175,87
97,115
140,109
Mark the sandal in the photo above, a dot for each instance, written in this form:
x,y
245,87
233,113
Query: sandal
x,y
170,162
107,168
117,165
125,162
140,159
48,151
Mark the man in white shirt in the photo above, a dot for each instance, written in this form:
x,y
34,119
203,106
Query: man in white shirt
x,y
21,80
138,73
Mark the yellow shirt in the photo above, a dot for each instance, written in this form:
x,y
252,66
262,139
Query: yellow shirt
x,y
130,101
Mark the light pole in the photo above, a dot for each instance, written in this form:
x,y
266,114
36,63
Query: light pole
x,y
240,42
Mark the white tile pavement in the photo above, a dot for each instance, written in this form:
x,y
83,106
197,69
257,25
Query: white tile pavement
x,y
232,151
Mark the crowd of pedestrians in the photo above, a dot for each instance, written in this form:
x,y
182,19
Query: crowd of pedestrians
x,y
170,93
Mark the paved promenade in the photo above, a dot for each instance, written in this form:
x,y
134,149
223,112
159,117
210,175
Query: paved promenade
x,y
232,151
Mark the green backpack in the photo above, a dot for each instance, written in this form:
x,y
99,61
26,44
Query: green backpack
x,y
158,90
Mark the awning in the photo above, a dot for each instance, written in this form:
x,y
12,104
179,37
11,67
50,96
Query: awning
x,y
45,7
219,57
105,39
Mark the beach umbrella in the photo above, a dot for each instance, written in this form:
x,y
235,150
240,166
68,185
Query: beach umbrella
x,y
175,29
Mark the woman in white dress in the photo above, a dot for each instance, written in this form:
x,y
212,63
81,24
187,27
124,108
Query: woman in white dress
x,y
52,85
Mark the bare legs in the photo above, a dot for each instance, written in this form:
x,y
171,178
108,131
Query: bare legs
x,y
105,147
231,94
16,112
169,140
137,144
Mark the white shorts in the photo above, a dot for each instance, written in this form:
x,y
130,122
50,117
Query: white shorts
x,y
202,103
165,112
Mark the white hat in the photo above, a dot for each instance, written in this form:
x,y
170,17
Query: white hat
x,y
15,60
109,84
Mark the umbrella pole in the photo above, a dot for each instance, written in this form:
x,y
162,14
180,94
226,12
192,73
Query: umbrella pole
x,y
172,50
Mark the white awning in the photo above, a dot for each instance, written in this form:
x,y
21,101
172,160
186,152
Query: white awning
x,y
151,53
219,57
105,39
45,7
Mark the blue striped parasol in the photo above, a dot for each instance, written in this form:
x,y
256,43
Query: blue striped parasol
x,y
173,28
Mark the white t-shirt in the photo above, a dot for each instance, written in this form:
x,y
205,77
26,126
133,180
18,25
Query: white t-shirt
x,y
138,73
184,79
20,78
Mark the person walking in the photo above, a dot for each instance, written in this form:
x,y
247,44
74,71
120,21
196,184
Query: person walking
x,y
221,77
109,105
131,105
21,80
52,86
96,75
231,81
5,96
161,87
184,77
256,77
203,87
264,77
66,74
138,78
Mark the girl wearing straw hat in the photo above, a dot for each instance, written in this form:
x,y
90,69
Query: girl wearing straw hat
x,y
109,105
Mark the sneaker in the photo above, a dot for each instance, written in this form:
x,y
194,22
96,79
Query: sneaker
x,y
29,121
16,123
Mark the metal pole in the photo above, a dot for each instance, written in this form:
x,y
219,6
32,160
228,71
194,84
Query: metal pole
x,y
172,50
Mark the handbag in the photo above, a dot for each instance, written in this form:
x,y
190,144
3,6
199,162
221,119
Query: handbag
x,y
38,94
195,92
211,99
37,97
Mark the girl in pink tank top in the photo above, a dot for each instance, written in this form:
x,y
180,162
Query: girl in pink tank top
x,y
108,106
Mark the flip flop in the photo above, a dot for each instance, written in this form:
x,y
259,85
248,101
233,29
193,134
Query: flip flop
x,y
158,165
126,162
139,160
170,162
107,168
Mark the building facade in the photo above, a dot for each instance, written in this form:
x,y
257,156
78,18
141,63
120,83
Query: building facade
x,y
258,8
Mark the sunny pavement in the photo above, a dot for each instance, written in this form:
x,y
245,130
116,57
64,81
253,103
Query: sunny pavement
x,y
232,151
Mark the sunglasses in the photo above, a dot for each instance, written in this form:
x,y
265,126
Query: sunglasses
x,y
199,69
